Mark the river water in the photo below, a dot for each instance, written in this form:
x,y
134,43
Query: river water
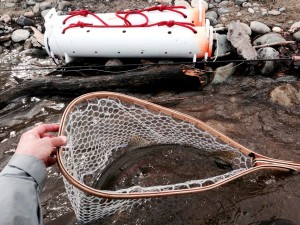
x,y
240,108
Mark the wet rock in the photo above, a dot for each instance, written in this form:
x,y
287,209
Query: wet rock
x,y
286,95
20,35
221,74
224,45
223,10
240,2
29,14
183,3
23,21
274,12
64,4
268,39
268,53
297,36
259,27
294,27
250,10
6,18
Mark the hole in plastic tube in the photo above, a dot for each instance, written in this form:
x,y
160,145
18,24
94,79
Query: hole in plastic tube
x,y
124,31
169,32
88,31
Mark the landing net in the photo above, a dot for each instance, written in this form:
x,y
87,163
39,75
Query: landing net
x,y
99,126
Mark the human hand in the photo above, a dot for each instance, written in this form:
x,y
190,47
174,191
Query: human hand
x,y
38,143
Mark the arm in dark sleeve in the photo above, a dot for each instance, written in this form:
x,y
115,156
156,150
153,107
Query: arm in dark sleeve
x,y
20,184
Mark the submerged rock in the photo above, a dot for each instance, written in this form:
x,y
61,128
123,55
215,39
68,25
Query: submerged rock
x,y
286,95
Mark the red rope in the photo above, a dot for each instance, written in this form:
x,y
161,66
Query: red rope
x,y
127,23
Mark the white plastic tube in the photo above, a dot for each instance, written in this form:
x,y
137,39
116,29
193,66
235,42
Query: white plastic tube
x,y
154,42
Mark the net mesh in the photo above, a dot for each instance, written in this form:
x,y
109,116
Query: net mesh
x,y
98,131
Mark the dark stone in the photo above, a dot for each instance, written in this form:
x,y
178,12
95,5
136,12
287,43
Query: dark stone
x,y
24,21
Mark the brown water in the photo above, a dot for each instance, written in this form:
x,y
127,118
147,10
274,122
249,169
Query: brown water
x,y
240,108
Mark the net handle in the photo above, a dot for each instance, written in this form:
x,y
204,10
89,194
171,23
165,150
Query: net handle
x,y
261,162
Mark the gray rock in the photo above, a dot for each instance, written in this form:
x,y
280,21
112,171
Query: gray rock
x,y
259,27
276,29
221,74
274,12
268,53
217,1
223,3
10,5
268,39
247,4
295,27
212,21
240,2
286,95
211,6
297,36
24,21
20,35
45,5
224,45
223,10
212,14
30,3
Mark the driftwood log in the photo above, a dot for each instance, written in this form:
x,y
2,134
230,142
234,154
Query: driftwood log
x,y
149,78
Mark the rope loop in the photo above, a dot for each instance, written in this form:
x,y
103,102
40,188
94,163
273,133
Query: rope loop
x,y
81,12
78,24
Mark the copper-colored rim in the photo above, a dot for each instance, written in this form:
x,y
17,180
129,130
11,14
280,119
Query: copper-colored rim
x,y
263,162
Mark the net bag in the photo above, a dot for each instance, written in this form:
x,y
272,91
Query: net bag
x,y
100,125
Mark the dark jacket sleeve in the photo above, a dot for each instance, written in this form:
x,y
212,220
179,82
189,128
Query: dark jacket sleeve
x,y
20,184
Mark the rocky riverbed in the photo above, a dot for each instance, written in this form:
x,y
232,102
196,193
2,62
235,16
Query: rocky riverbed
x,y
258,105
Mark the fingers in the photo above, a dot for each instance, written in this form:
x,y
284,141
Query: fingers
x,y
44,128
58,141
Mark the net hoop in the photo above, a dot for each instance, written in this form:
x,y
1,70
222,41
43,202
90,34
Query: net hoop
x,y
158,109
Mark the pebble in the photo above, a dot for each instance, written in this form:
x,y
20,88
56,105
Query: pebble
x,y
259,27
23,21
30,3
223,3
223,10
45,5
217,1
182,3
6,18
29,14
297,36
274,12
212,20
10,5
240,2
246,4
250,10
256,4
264,13
36,8
239,14
282,9
295,26
20,35
286,95
221,74
268,39
212,14
64,4
276,29
268,53
263,10
113,64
